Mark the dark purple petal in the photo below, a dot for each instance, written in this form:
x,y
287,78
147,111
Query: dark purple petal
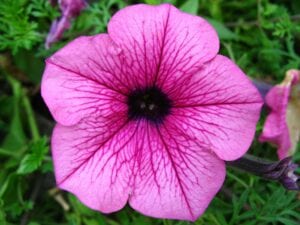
x,y
56,31
262,87
71,8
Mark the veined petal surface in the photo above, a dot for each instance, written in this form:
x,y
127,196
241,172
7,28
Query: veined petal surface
x,y
92,160
161,171
159,41
167,169
145,51
83,78
219,106
176,178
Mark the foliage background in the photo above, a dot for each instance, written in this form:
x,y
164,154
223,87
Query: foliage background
x,y
261,36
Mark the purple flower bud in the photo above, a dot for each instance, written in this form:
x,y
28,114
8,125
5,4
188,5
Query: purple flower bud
x,y
53,2
282,171
56,30
69,9
288,178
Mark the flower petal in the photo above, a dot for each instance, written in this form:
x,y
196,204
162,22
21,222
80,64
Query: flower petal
x,y
84,78
57,29
275,124
219,105
282,126
71,8
293,124
175,178
91,160
164,173
161,40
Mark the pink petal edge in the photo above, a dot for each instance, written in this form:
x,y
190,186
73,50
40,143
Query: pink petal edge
x,y
219,106
277,129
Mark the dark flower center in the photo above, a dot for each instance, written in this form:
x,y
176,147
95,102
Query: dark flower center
x,y
149,103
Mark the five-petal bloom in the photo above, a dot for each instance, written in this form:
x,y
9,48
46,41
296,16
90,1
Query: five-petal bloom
x,y
282,126
148,113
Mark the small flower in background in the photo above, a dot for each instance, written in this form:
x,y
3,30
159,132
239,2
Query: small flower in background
x,y
70,9
282,126
148,113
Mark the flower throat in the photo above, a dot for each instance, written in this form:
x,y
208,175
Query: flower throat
x,y
148,103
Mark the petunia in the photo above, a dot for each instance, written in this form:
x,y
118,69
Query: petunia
x,y
148,113
282,126
69,9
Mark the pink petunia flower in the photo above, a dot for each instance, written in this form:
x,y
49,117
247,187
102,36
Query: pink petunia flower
x,y
69,9
282,126
147,113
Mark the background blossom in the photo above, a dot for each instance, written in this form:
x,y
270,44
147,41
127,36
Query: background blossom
x,y
282,126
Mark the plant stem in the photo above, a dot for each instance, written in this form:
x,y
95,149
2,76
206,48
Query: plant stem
x,y
31,118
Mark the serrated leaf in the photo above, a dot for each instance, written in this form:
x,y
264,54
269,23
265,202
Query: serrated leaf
x,y
32,161
29,164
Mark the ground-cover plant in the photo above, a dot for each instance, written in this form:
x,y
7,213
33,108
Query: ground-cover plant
x,y
260,36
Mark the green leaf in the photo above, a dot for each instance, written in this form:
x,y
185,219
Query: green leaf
x,y
223,32
17,31
15,139
2,214
190,6
29,164
153,2
11,193
47,167
33,160
34,223
30,65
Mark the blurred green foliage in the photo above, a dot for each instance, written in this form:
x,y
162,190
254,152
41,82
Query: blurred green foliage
x,y
262,36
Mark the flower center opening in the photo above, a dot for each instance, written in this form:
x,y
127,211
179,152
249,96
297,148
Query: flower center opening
x,y
149,103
